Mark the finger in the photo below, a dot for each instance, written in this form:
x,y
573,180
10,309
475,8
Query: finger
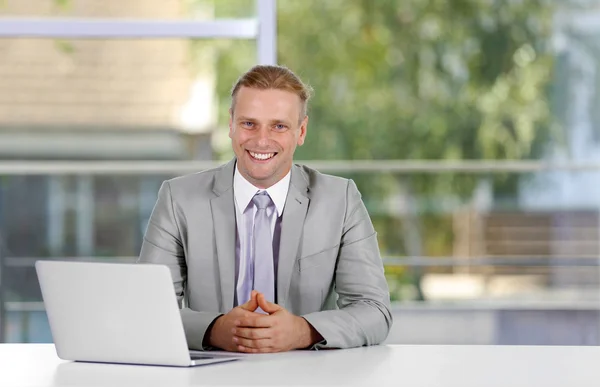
x,y
259,321
267,306
252,303
253,333
249,343
244,349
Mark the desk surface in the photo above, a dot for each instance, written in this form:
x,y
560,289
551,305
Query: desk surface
x,y
406,365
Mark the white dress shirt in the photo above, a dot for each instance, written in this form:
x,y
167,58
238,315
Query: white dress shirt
x,y
245,211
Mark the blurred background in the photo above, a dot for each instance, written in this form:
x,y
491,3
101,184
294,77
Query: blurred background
x,y
471,127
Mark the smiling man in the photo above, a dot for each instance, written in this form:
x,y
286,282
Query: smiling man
x,y
266,255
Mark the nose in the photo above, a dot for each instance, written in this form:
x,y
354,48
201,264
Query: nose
x,y
263,136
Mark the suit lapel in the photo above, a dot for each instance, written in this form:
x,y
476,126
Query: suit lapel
x,y
223,216
294,213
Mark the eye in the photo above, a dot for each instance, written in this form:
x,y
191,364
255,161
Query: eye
x,y
280,127
247,124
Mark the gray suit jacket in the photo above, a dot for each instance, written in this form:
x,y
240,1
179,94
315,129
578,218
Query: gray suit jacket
x,y
330,270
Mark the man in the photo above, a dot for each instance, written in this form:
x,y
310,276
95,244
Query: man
x,y
266,255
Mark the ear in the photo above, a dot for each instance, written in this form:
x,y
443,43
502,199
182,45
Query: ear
x,y
230,122
303,129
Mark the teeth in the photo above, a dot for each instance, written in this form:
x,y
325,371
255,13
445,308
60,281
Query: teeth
x,y
262,156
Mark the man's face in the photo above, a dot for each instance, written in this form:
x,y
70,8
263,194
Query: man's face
x,y
265,129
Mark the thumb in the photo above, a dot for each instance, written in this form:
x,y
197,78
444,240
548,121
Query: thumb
x,y
267,306
252,303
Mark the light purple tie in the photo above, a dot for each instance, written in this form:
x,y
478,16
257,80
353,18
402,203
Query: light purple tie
x,y
264,273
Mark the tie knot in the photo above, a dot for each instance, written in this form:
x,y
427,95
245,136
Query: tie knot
x,y
261,200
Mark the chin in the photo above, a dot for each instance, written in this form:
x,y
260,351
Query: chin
x,y
261,175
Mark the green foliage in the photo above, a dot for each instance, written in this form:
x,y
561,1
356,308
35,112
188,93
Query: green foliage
x,y
64,46
418,79
63,4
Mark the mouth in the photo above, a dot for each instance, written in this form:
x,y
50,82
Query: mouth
x,y
261,157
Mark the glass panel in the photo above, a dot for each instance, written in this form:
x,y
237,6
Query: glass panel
x,y
130,9
27,327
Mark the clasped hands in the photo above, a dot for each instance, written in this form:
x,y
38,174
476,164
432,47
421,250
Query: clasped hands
x,y
244,330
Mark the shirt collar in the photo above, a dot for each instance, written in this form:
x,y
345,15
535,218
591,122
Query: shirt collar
x,y
244,191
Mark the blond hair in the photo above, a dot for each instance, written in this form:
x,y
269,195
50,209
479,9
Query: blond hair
x,y
264,77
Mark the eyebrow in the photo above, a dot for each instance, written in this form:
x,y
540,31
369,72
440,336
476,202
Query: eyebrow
x,y
274,121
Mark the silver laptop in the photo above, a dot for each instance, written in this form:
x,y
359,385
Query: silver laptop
x,y
117,313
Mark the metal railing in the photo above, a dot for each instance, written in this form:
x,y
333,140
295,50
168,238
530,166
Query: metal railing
x,y
330,166
422,261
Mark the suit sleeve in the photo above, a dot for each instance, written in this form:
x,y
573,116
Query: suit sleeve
x,y
364,316
162,244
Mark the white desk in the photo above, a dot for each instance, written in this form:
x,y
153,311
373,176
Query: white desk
x,y
460,366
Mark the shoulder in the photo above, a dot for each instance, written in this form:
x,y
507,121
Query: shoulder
x,y
323,183
197,182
